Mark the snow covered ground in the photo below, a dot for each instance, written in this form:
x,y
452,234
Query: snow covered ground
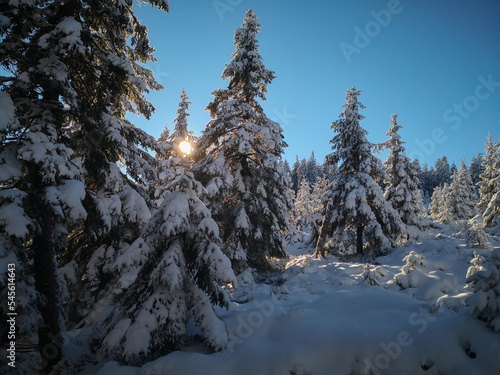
x,y
332,316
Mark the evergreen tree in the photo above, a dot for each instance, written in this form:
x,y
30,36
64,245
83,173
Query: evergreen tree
x,y
328,170
312,169
492,210
295,177
72,80
414,173
437,200
358,220
453,168
302,171
489,186
428,181
318,205
174,150
402,190
242,148
476,168
443,172
181,134
287,169
174,269
485,281
116,157
303,205
461,199
439,207
417,170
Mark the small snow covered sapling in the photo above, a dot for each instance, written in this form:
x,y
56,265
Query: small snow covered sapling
x,y
373,274
476,238
477,262
484,304
409,276
413,260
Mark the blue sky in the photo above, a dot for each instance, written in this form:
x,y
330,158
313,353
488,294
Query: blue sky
x,y
435,63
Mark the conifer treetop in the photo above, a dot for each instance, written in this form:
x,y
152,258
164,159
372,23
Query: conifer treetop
x,y
397,163
350,145
181,132
247,73
393,133
180,122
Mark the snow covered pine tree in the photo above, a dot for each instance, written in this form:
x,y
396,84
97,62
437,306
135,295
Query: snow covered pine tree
x,y
489,186
358,220
303,206
402,191
72,80
182,139
41,187
117,166
174,150
240,158
171,273
461,199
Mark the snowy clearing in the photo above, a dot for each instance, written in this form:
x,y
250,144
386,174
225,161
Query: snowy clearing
x,y
329,316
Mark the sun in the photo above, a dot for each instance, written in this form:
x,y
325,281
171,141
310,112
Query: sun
x,y
185,147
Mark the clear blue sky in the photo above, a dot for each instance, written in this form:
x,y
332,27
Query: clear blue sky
x,y
435,63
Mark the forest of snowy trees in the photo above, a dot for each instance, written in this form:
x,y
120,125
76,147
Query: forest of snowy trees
x,y
131,239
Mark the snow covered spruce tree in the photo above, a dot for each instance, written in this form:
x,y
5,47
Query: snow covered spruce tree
x,y
443,172
312,169
171,273
484,279
439,207
358,220
182,139
318,205
309,206
461,199
114,153
402,191
475,169
489,186
72,79
174,150
303,205
239,163
297,174
41,187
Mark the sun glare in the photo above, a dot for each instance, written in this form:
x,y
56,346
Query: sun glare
x,y
185,147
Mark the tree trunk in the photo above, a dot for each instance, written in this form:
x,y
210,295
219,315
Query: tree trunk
x,y
50,336
323,230
359,240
